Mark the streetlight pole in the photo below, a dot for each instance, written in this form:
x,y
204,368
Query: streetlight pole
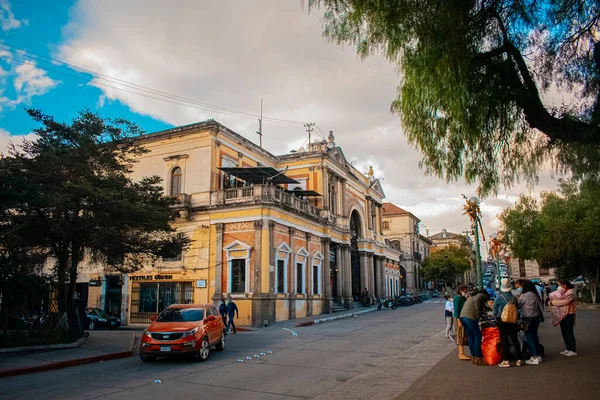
x,y
478,255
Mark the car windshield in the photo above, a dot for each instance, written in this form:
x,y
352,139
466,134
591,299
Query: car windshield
x,y
181,315
98,312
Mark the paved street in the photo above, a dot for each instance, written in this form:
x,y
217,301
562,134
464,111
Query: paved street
x,y
342,359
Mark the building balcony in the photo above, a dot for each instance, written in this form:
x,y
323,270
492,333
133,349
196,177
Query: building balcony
x,y
269,194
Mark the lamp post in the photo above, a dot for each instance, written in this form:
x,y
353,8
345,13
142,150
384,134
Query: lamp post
x,y
495,249
472,210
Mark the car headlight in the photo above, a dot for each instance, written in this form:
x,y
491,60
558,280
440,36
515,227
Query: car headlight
x,y
190,332
147,334
101,320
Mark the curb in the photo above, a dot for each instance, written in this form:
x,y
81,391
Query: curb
x,y
335,318
4,373
61,346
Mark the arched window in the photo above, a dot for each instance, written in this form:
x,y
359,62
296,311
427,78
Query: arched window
x,y
386,225
176,181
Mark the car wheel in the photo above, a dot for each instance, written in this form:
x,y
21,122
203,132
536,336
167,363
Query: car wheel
x,y
147,359
204,350
92,325
221,344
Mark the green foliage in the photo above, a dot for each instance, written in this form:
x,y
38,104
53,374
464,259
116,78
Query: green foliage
x,y
68,195
560,231
473,74
446,263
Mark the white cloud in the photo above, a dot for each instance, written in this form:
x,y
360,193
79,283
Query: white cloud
x,y
28,81
235,53
6,139
7,18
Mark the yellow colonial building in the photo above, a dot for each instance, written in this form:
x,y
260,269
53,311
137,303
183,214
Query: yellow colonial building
x,y
285,236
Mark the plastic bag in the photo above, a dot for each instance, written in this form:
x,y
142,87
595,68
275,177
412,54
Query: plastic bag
x,y
491,346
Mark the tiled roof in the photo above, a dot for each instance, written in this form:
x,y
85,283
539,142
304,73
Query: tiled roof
x,y
391,209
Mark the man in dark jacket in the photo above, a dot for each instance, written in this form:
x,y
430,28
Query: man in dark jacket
x,y
232,311
223,311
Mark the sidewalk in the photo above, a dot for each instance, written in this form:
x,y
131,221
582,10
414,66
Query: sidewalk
x,y
558,377
321,318
99,346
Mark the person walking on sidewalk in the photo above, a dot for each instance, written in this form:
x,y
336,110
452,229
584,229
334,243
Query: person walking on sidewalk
x,y
459,331
449,316
472,311
232,311
223,311
507,324
566,308
530,305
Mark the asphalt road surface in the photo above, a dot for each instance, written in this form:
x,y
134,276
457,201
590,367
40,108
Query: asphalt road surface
x,y
373,356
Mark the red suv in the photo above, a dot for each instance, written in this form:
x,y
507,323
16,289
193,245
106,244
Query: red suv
x,y
183,329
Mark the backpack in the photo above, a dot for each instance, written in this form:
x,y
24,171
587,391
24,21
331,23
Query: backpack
x,y
509,313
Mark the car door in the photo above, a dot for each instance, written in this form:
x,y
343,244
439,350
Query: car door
x,y
210,326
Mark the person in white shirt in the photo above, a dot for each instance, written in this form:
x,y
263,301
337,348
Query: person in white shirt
x,y
449,315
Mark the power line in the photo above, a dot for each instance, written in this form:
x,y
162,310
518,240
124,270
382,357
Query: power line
x,y
149,92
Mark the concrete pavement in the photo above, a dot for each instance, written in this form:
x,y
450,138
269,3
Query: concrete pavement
x,y
557,378
373,355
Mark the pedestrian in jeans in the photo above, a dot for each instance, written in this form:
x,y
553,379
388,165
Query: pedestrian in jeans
x,y
223,312
507,330
232,311
459,330
472,311
530,305
449,316
564,307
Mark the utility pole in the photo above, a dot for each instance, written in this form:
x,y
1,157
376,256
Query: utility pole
x,y
478,255
309,130
259,133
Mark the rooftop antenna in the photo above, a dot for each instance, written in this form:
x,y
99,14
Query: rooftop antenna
x,y
259,133
309,128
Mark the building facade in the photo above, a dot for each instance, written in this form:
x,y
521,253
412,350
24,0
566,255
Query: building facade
x,y
446,239
401,228
530,269
284,236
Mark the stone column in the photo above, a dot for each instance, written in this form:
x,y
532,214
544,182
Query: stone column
x,y
347,276
344,210
255,286
325,189
371,274
340,261
327,300
364,271
219,263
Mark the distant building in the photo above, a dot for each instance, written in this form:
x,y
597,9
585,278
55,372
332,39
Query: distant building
x,y
446,239
401,228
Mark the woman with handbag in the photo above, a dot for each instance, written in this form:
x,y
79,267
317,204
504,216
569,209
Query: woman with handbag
x,y
563,314
507,319
530,305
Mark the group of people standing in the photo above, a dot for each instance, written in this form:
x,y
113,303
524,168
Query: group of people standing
x,y
512,313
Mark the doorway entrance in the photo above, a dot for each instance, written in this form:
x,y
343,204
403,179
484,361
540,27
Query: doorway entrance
x,y
333,270
355,256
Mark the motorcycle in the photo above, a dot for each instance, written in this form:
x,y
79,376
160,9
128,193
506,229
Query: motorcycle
x,y
386,303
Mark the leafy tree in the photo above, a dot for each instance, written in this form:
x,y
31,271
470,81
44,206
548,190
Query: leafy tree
x,y
473,78
446,264
68,196
562,232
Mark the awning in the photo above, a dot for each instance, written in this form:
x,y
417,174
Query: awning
x,y
304,193
260,175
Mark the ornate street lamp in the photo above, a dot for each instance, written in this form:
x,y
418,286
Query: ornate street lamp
x,y
473,211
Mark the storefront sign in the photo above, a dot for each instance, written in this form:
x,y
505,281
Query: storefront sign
x,y
95,282
150,277
201,283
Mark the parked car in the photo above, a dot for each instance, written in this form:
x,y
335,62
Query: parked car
x,y
579,281
183,329
98,318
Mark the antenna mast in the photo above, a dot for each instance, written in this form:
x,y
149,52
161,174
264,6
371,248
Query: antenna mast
x,y
259,133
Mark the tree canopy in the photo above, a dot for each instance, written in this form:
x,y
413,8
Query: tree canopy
x,y
447,263
67,196
559,231
475,80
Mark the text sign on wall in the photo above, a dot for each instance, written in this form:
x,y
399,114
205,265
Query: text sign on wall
x,y
150,277
201,283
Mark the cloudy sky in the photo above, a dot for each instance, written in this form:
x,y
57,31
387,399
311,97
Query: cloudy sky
x,y
228,54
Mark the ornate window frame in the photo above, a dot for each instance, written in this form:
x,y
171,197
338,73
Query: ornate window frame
x,y
287,250
238,246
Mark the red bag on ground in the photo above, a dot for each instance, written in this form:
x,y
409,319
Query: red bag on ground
x,y
491,345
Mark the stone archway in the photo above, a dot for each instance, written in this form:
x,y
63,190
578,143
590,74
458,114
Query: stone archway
x,y
355,267
402,280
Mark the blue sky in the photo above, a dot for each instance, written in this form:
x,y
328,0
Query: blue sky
x,y
41,28
228,53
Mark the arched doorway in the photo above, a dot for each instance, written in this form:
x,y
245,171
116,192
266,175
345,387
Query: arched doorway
x,y
402,280
355,234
